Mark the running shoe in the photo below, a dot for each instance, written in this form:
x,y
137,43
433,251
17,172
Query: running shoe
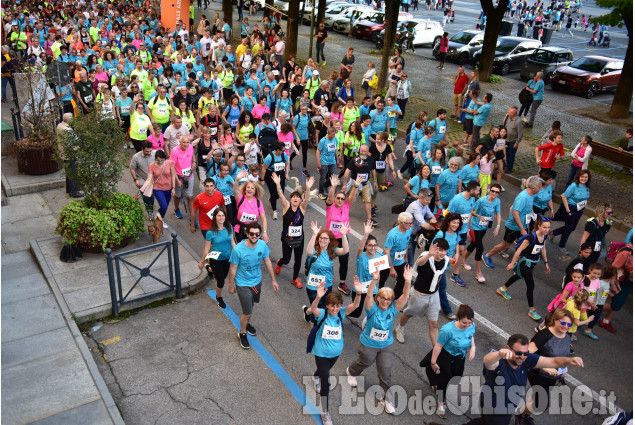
x,y
306,173
323,196
326,416
399,174
316,383
244,342
503,293
277,268
488,261
307,317
563,252
177,213
344,289
296,282
466,266
457,279
450,316
251,330
275,215
399,336
441,411
608,326
534,315
591,335
480,278
352,381
390,409
221,302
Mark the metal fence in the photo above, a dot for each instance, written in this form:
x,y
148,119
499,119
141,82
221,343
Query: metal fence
x,y
172,283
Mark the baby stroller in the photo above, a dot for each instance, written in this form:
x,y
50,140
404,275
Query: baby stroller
x,y
606,41
593,41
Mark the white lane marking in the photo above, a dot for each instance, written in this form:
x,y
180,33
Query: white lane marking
x,y
576,383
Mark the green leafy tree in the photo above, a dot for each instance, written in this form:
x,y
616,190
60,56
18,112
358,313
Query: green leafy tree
x,y
494,16
621,15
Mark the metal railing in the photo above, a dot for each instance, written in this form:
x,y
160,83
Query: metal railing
x,y
114,261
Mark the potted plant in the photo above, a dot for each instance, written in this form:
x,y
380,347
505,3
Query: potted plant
x,y
36,152
104,218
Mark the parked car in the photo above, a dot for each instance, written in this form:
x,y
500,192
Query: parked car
x,y
511,53
462,46
336,12
334,4
371,27
426,32
259,4
546,60
588,75
283,6
343,24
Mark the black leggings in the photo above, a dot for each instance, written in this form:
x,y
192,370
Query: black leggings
x,y
305,151
524,107
273,190
324,365
527,272
343,261
384,274
450,366
358,311
286,257
409,162
478,244
220,268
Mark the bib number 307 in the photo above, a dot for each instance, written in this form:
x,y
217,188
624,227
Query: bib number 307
x,y
378,335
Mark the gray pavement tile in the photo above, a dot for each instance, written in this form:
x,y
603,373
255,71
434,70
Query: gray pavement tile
x,y
46,386
94,413
30,317
24,207
23,287
96,276
36,346
16,237
95,296
51,251
18,264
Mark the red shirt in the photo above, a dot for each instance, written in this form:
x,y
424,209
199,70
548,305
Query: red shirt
x,y
204,204
549,152
461,82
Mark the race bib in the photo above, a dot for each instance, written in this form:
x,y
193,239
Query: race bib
x,y
213,131
598,246
287,145
213,255
365,286
442,130
331,332
187,171
335,226
562,370
314,280
378,335
210,213
436,169
592,294
294,231
247,218
428,155
162,110
465,218
253,157
400,255
278,166
227,199
530,217
536,249
581,205
88,98
142,131
234,122
485,221
380,165
364,177
330,147
392,114
125,109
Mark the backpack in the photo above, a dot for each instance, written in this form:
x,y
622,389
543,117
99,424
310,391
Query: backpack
x,y
308,263
525,236
310,341
267,137
615,248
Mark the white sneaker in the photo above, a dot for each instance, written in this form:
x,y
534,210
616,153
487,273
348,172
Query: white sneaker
x,y
275,215
390,409
326,418
524,119
165,226
466,266
399,174
502,189
441,411
364,322
352,381
399,336
317,383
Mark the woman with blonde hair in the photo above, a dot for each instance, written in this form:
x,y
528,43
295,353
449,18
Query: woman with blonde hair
x,y
249,207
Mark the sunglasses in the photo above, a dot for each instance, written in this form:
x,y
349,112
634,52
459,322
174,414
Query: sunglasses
x,y
495,191
340,198
545,218
567,324
521,353
254,234
371,245
610,213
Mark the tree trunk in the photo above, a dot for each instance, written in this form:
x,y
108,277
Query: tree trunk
x,y
492,27
268,12
293,18
624,92
228,10
390,35
321,11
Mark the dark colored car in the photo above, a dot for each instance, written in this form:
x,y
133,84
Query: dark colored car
x,y
546,60
511,53
588,75
373,26
462,46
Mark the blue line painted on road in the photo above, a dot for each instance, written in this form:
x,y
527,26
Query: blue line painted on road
x,y
273,364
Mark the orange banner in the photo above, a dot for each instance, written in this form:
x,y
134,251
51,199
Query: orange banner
x,y
173,11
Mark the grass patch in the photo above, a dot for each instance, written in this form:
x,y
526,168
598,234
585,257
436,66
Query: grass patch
x,y
495,79
609,172
92,319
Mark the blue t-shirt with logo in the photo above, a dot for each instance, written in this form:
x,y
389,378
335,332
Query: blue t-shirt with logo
x,y
487,209
398,244
378,330
321,270
524,204
328,150
462,206
248,261
221,242
329,340
448,183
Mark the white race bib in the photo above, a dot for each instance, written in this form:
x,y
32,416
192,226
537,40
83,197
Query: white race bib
x,y
287,145
400,255
247,218
88,98
442,130
278,166
253,157
365,286
213,255
380,165
210,213
364,177
536,249
227,199
213,130
234,122
187,171
335,226
314,280
436,169
530,217
378,335
162,110
330,147
485,221
125,109
331,332
142,131
294,231
581,205
428,155
598,246
465,218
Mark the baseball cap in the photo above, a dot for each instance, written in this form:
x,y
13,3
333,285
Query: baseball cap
x,y
198,58
316,72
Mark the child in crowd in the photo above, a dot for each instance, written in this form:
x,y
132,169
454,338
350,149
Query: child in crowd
x,y
485,171
580,262
607,285
251,150
578,306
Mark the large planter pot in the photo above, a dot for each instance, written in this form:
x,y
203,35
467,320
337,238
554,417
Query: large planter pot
x,y
97,249
36,158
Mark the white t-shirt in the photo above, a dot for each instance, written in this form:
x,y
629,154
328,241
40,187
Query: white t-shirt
x,y
251,154
205,42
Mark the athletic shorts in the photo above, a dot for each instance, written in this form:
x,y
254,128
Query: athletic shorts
x,y
468,126
500,155
463,240
189,190
423,305
511,235
458,99
248,296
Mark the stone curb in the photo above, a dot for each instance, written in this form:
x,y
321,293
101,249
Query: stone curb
x,y
113,411
31,188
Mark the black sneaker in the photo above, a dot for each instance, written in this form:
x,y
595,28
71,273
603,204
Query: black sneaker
x,y
221,302
307,317
243,341
251,330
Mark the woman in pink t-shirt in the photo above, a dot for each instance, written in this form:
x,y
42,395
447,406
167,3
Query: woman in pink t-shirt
x,y
338,207
260,109
443,49
285,135
158,143
249,207
580,154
